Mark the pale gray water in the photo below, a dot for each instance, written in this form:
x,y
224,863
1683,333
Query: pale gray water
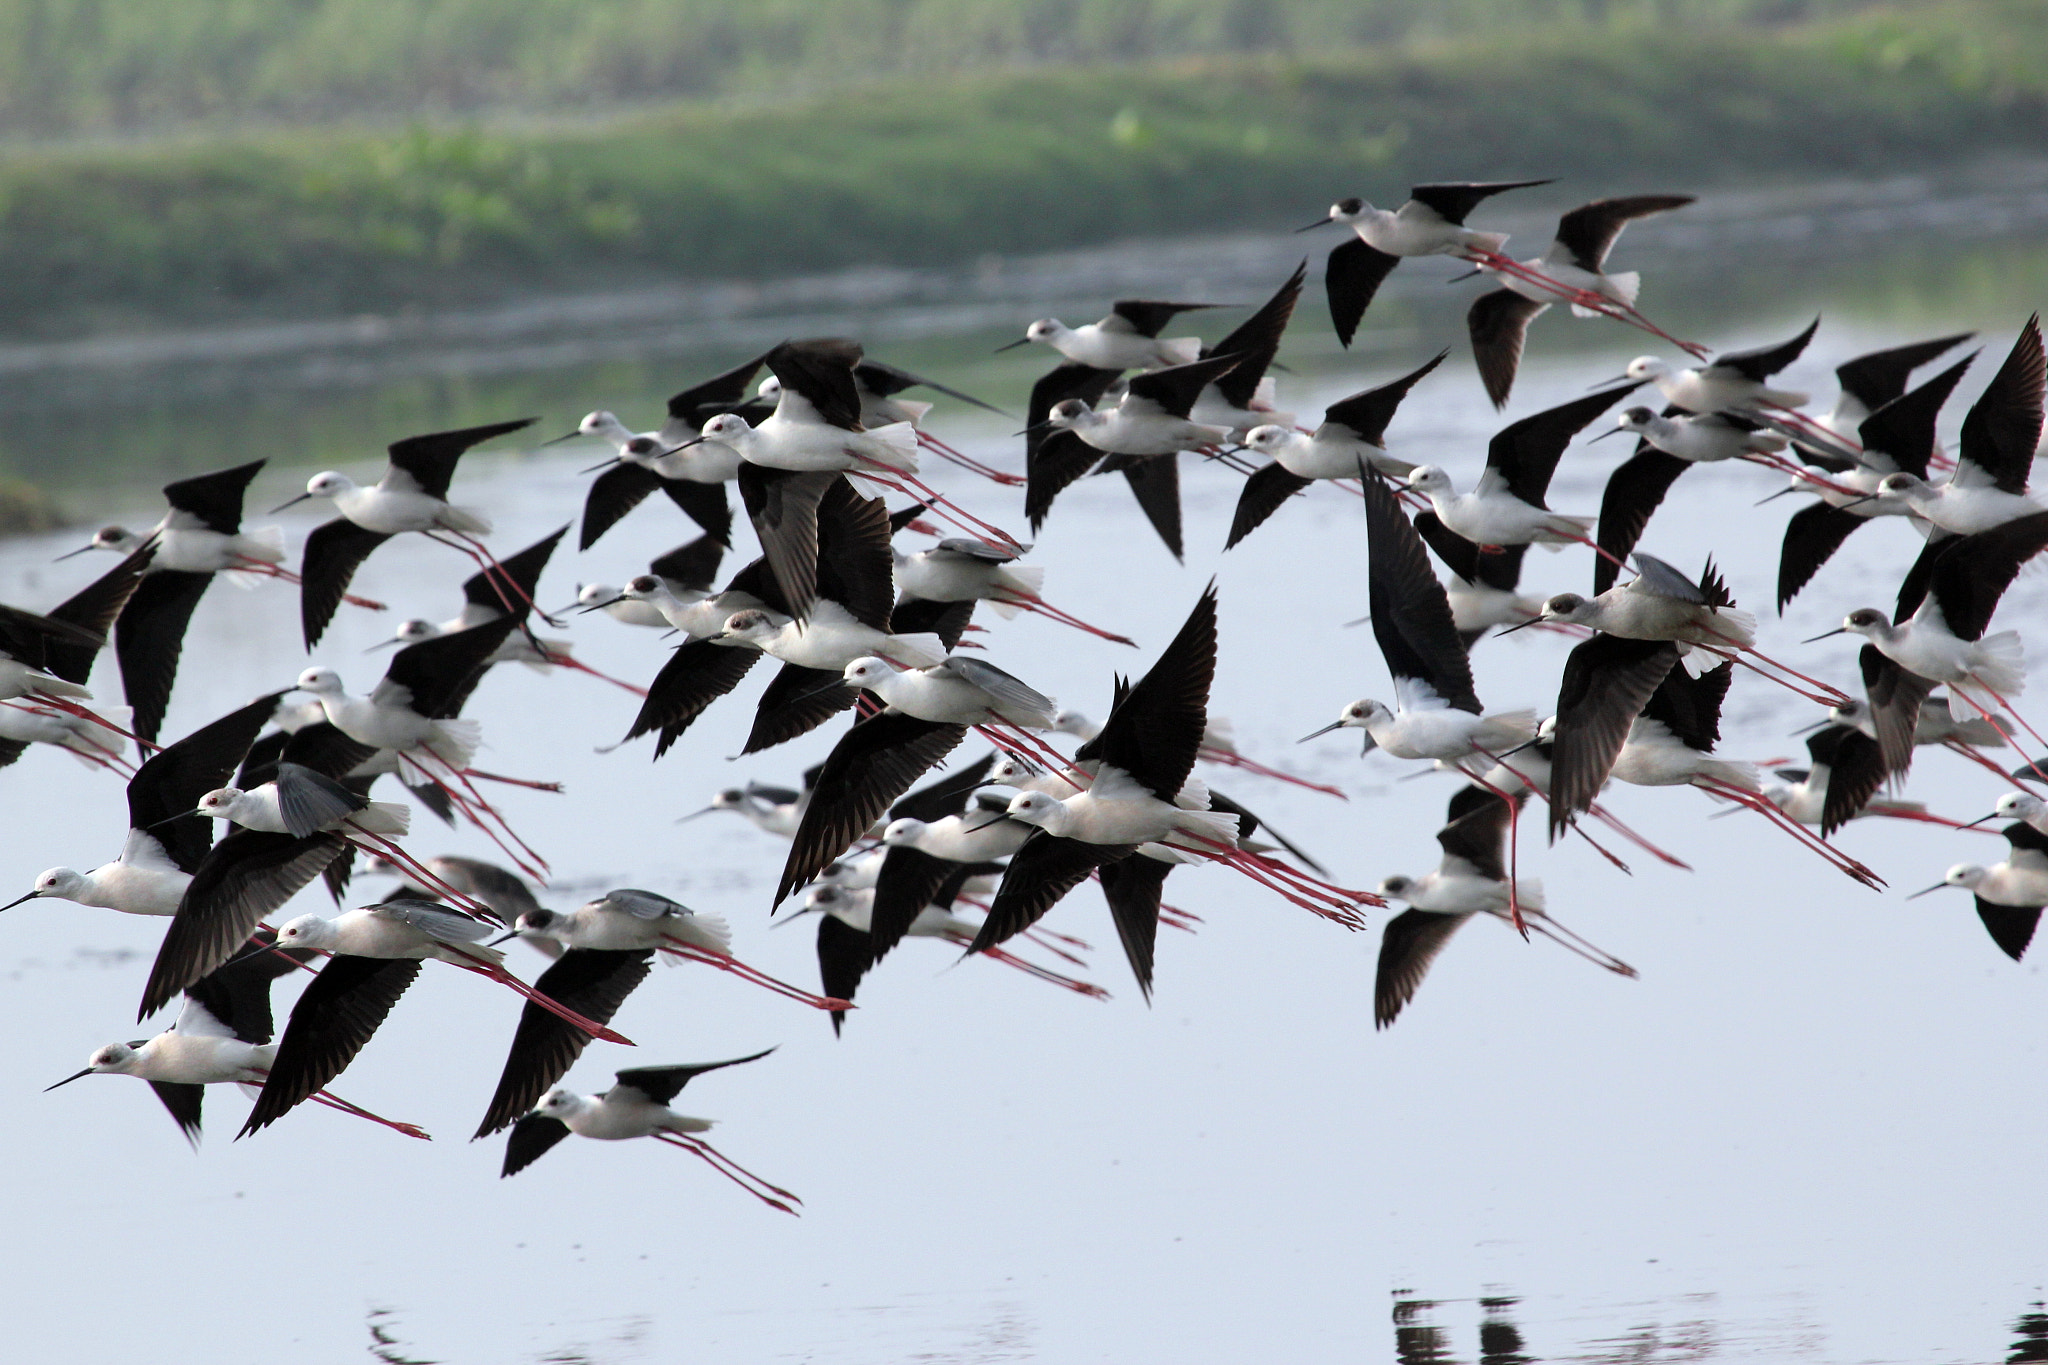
x,y
1809,1132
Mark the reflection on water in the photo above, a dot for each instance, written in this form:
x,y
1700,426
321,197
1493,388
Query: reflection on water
x,y
145,410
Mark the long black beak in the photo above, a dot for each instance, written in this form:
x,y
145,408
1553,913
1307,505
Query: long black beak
x,y
293,503
601,464
559,439
1475,270
73,554
599,606
1612,431
1972,825
1809,729
1020,341
1858,502
1839,630
383,644
33,895
1522,625
822,689
1333,725
695,813
503,938
1918,894
67,1080
1775,496
1323,221
694,440
1617,379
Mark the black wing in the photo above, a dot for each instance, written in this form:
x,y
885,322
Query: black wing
x,y
693,564
1635,489
821,370
1588,232
885,379
1878,378
1249,824
1903,429
697,674
238,991
331,1021
165,790
663,1083
509,587
947,620
442,671
2002,431
856,568
1526,453
874,763
185,1102
783,506
1147,317
1264,493
947,796
612,494
1811,538
1133,887
308,801
93,609
1856,770
1176,387
689,410
1256,340
430,459
1408,945
1351,277
1764,361
1154,732
1411,615
1499,326
334,551
1480,837
1056,461
1043,871
216,498
1367,414
907,883
1155,483
1607,680
703,503
1973,572
531,1137
321,747
797,701
248,874
1895,697
2011,926
844,956
591,981
149,637
1690,707
1452,200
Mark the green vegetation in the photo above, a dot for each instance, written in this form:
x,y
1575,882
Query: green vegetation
x,y
72,66
931,171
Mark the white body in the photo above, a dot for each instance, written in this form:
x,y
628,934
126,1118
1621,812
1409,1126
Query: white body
x,y
1712,388
1106,346
830,640
142,881
1491,515
1332,452
630,920
385,719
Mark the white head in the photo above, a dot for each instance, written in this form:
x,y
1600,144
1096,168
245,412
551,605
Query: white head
x,y
599,423
645,588
2012,805
119,539
307,931
728,427
1067,412
327,484
1966,875
1010,771
1903,486
413,631
1036,808
1568,606
1397,887
321,682
1349,210
1045,329
751,625
1268,438
113,1059
1364,713
560,1103
1636,418
543,922
61,882
866,671
220,804
598,594
1866,621
1068,721
1647,367
769,390
1430,480
904,831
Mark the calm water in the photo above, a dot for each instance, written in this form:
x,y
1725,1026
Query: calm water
x,y
1809,1132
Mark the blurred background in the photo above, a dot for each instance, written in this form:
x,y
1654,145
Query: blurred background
x,y
300,229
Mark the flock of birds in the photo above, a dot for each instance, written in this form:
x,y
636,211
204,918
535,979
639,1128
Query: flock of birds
x,y
868,609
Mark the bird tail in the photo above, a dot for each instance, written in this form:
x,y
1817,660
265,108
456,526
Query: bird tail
x,y
1494,242
1784,398
267,544
454,743
917,651
1744,776
1028,579
1506,729
1183,350
1213,824
57,687
1739,626
1579,527
1529,893
383,817
2000,662
89,743
912,409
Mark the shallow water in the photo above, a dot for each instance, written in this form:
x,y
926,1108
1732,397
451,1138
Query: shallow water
x,y
1809,1132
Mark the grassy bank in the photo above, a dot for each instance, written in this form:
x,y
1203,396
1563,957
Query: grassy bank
x,y
930,171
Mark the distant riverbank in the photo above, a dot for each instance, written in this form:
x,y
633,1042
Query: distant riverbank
x,y
308,225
